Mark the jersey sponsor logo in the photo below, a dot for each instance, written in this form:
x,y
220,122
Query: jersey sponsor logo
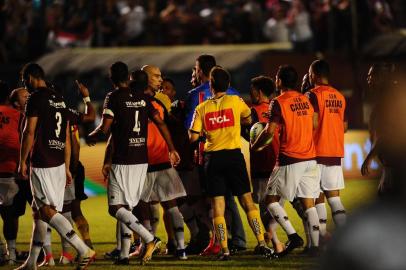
x,y
299,106
4,120
55,144
58,105
135,104
219,119
333,104
136,142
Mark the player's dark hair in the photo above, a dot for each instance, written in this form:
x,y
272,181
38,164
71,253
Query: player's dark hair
x,y
119,73
206,63
306,85
32,69
321,68
169,80
288,76
4,92
219,79
264,84
139,81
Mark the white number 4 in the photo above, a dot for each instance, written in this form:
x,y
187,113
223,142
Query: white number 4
x,y
137,124
58,117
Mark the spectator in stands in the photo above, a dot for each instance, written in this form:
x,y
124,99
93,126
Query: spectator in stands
x,y
134,22
275,28
299,22
108,24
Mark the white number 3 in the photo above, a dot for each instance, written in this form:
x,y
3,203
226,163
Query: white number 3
x,y
58,117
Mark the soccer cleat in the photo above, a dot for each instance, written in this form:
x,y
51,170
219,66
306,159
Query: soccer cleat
x,y
149,250
66,258
212,249
135,249
235,249
112,255
48,261
224,257
181,254
294,241
265,251
86,260
123,261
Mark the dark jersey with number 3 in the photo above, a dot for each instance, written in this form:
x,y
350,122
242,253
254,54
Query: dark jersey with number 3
x,y
50,135
130,112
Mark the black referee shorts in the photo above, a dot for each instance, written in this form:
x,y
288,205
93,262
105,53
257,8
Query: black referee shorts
x,y
225,171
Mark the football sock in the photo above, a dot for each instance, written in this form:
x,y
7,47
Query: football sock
x,y
176,220
132,222
48,241
190,219
254,219
65,229
322,213
37,241
281,217
273,225
337,210
154,208
125,241
221,233
11,247
83,228
314,225
65,244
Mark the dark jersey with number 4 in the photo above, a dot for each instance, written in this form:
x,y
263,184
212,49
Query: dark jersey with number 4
x,y
130,112
50,135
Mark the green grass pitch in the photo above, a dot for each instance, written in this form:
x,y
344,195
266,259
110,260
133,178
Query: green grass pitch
x,y
102,230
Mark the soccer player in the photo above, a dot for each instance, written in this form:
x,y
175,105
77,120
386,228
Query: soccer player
x,y
220,118
330,118
163,183
155,83
297,174
168,88
126,114
203,65
47,136
263,162
9,148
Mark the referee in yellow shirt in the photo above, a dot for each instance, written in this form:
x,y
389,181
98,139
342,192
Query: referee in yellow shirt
x,y
220,119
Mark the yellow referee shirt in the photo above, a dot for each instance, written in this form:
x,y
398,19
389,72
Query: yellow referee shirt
x,y
219,119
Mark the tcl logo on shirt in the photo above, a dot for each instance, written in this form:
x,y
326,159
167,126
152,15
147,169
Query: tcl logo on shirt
x,y
220,119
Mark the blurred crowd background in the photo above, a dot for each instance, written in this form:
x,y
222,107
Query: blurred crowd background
x,y
28,29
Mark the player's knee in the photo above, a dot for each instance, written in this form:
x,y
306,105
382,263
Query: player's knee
x,y
113,210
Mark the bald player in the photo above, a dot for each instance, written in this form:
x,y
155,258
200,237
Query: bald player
x,y
155,84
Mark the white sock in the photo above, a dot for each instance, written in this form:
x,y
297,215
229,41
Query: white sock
x,y
274,226
126,234
190,219
48,241
65,230
132,223
279,214
314,225
307,232
154,208
177,224
118,234
11,247
322,213
37,241
66,247
337,210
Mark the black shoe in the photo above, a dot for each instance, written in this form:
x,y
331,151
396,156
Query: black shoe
x,y
313,252
112,255
294,241
224,257
123,261
265,251
236,249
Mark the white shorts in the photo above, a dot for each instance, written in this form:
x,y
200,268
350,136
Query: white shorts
x,y
191,182
331,177
298,180
8,189
69,193
162,186
126,183
48,186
